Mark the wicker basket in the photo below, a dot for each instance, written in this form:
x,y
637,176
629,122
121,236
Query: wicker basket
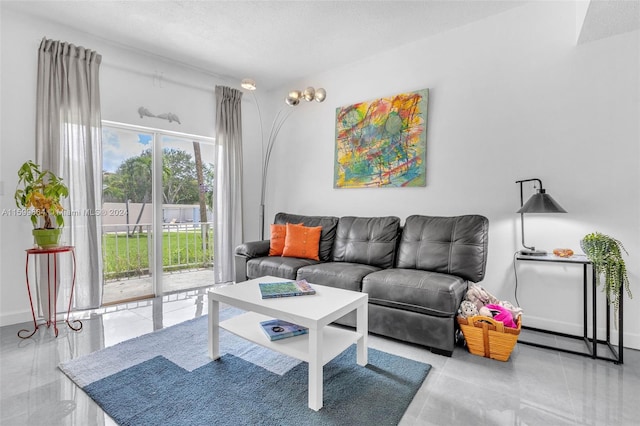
x,y
489,338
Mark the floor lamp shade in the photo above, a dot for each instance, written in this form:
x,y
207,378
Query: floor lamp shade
x,y
540,202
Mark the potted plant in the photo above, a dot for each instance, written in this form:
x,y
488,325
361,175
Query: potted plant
x,y
42,192
605,253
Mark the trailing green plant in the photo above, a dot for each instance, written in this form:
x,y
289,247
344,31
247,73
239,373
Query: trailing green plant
x,y
605,253
41,191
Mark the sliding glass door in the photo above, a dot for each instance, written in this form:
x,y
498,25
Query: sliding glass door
x,y
156,212
187,191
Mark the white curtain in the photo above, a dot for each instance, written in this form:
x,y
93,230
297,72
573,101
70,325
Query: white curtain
x,y
68,142
227,204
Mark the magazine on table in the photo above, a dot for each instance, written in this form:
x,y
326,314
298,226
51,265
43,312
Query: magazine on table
x,y
277,329
286,289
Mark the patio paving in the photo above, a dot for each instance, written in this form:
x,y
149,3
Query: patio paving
x,y
140,288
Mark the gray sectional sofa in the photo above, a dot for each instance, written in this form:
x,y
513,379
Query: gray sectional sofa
x,y
415,274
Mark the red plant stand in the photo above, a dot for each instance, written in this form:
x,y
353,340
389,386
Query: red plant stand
x,y
52,253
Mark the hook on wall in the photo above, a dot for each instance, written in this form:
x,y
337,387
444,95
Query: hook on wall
x,y
158,78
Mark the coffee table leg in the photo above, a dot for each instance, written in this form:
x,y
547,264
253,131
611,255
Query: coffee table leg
x,y
214,329
315,369
362,328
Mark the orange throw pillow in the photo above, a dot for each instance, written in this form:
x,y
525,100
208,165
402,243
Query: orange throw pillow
x,y
276,244
302,241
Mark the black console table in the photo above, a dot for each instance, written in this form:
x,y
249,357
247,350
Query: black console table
x,y
590,342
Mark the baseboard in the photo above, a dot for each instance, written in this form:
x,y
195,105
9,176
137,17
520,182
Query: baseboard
x,y
630,340
15,318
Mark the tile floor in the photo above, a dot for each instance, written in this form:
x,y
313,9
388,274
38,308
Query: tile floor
x,y
535,387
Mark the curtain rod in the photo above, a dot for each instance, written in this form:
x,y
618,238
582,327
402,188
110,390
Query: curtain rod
x,y
159,76
156,130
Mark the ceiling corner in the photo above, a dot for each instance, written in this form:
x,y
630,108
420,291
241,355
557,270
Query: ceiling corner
x,y
606,18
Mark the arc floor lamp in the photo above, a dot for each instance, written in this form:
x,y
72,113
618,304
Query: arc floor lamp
x,y
540,202
291,100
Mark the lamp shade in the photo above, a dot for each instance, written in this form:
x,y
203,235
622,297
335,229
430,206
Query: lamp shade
x,y
248,83
293,98
321,95
308,94
541,202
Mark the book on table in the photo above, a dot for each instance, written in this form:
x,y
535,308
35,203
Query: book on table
x,y
286,289
277,329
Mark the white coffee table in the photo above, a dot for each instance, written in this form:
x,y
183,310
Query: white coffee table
x,y
316,312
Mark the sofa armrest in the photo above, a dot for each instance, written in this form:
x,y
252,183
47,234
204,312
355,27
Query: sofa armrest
x,y
252,249
247,251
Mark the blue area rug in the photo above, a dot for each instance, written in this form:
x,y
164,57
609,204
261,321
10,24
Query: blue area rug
x,y
169,379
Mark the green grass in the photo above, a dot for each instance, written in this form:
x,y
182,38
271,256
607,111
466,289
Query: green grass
x,y
180,250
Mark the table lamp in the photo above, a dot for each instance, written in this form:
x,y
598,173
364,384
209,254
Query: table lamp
x,y
540,202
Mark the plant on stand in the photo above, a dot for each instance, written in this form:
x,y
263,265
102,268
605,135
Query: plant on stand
x,y
605,253
41,192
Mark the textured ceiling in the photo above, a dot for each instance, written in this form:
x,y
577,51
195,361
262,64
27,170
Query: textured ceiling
x,y
271,41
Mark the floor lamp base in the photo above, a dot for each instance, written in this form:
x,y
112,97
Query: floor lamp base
x,y
527,252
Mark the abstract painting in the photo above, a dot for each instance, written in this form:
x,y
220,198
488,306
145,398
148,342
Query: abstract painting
x,y
382,143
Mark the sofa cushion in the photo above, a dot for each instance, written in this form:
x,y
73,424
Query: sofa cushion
x,y
328,223
366,240
278,238
277,266
425,292
449,245
302,241
343,275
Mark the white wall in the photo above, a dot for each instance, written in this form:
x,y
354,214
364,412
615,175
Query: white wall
x,y
126,83
511,97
